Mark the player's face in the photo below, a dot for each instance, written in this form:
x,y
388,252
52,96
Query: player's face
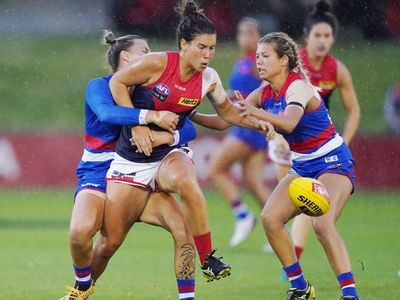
x,y
138,48
320,39
269,64
248,37
199,52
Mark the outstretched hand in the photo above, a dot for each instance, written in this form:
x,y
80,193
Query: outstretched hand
x,y
246,109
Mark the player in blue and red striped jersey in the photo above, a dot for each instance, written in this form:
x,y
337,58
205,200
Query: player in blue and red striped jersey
x,y
327,73
297,111
177,82
243,145
103,120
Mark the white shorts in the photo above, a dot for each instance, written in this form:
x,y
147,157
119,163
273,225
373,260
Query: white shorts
x,y
281,158
138,174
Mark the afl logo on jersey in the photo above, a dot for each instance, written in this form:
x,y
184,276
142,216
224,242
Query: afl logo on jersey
x,y
161,91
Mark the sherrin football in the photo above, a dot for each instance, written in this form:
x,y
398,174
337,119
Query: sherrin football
x,y
309,195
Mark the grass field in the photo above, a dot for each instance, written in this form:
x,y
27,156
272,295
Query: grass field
x,y
43,79
35,261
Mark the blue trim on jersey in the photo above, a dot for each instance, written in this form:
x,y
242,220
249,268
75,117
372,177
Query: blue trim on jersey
x,y
251,137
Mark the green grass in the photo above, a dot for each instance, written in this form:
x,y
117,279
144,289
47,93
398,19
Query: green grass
x,y
35,259
43,79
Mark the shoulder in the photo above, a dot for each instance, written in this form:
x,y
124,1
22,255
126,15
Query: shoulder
x,y
343,73
154,60
210,75
300,89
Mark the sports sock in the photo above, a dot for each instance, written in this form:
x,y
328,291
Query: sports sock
x,y
203,245
296,276
347,284
83,277
186,288
239,209
299,251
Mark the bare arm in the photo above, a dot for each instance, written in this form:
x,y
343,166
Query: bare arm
x,y
209,121
142,70
350,103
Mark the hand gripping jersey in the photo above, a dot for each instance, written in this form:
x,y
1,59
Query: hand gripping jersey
x,y
324,78
315,135
170,93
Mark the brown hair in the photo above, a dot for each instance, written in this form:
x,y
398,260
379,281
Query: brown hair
x,y
193,22
284,45
322,13
117,45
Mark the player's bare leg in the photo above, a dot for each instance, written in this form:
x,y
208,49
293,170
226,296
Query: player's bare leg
x,y
162,210
177,174
123,207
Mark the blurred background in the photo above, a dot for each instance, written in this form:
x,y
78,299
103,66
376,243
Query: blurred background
x,y
50,49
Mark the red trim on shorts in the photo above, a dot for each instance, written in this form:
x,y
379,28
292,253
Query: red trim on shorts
x,y
343,174
123,179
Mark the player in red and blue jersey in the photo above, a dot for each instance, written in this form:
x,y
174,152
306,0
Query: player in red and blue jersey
x,y
177,82
327,73
242,145
103,120
297,111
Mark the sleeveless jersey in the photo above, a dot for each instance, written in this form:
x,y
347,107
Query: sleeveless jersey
x,y
325,78
315,135
170,93
242,77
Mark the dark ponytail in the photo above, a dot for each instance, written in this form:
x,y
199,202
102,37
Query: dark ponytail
x,y
193,22
322,13
116,46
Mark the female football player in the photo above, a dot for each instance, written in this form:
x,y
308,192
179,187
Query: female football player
x,y
326,73
297,111
174,81
102,125
243,145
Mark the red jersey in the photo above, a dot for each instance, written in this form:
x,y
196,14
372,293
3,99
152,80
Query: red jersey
x,y
170,93
325,78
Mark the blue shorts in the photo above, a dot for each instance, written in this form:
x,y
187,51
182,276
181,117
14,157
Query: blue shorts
x,y
251,137
338,161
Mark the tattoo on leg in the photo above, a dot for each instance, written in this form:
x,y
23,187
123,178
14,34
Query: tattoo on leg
x,y
187,257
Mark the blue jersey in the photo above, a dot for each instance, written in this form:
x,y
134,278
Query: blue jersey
x,y
315,145
245,81
243,78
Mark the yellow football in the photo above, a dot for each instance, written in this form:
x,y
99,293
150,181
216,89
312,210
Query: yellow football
x,y
310,196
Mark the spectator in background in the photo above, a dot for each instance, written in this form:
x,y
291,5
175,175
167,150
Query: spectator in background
x,y
392,108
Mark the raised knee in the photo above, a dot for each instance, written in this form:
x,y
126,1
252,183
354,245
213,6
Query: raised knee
x,y
186,184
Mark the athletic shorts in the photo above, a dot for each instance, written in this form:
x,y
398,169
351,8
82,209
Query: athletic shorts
x,y
139,174
98,184
338,161
251,137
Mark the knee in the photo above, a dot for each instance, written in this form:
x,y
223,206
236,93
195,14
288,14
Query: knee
x,y
323,228
270,221
106,247
80,234
187,184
